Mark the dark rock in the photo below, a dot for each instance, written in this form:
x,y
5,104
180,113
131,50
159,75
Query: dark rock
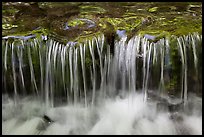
x,y
176,107
47,119
29,10
110,36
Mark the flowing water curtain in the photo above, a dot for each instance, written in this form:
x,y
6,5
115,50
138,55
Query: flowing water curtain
x,y
99,47
107,71
83,55
93,70
195,47
194,44
42,48
13,59
146,49
5,46
32,47
187,48
197,53
82,72
65,71
71,69
20,57
122,65
182,49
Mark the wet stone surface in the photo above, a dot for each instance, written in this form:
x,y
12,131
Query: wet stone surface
x,y
71,21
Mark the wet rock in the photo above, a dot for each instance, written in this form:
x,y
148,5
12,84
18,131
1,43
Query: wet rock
x,y
29,10
110,36
83,23
176,107
63,11
131,17
44,123
164,105
168,107
47,119
177,117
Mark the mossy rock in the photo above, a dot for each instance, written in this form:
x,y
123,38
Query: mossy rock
x,y
74,21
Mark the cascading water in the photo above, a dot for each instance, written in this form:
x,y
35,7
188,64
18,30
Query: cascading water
x,y
144,88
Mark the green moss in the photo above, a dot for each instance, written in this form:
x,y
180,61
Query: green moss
x,y
76,22
174,84
90,36
153,9
158,19
8,26
9,10
170,86
41,31
91,9
177,26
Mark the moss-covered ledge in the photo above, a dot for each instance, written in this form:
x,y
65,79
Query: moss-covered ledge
x,y
80,21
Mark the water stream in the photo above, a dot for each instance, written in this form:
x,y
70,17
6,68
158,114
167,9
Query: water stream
x,y
52,88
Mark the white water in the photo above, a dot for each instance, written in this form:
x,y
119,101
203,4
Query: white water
x,y
130,115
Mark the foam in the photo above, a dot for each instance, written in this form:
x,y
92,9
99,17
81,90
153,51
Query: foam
x,y
129,116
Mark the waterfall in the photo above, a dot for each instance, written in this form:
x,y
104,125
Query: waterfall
x,y
20,56
13,70
95,70
97,86
83,55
